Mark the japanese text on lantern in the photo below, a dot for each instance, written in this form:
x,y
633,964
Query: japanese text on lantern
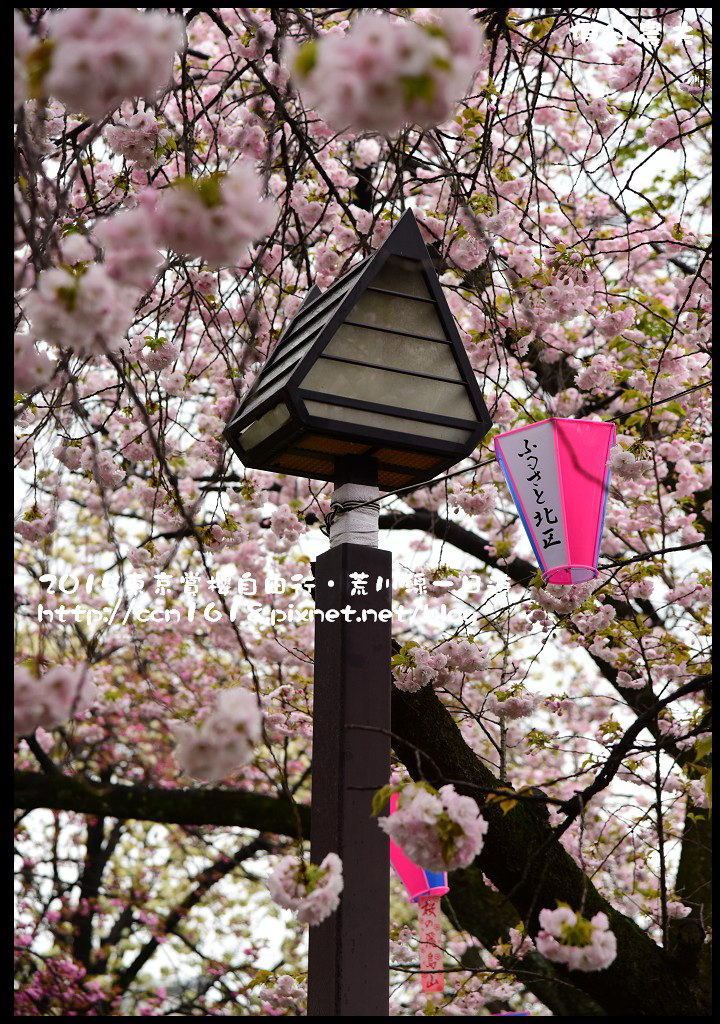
x,y
543,514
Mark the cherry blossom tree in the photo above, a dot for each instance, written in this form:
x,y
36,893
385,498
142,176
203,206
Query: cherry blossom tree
x,y
182,178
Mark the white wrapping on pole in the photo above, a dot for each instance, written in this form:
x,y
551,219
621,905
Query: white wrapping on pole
x,y
354,513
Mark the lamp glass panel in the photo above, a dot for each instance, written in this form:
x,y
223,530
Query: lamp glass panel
x,y
415,429
299,338
388,387
374,309
273,419
394,351
401,275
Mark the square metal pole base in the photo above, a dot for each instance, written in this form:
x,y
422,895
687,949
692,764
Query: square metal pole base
x,y
348,952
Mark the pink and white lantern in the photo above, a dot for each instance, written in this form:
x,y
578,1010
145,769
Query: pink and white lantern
x,y
426,888
558,476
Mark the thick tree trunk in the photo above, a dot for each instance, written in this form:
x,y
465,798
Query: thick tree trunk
x,y
528,865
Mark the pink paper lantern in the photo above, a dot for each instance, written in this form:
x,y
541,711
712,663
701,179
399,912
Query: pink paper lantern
x,y
425,888
416,880
558,476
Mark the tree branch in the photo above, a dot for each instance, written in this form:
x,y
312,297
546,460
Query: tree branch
x,y
221,807
524,860
622,748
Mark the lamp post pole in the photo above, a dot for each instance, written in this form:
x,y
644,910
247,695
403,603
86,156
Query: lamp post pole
x,y
348,952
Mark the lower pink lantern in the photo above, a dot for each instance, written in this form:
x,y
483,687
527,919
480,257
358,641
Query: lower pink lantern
x,y
558,476
426,889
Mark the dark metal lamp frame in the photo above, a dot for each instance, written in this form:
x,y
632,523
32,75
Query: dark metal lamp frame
x,y
311,446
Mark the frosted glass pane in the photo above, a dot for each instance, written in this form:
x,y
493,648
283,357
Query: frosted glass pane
x,y
386,387
401,275
394,350
264,427
380,421
378,310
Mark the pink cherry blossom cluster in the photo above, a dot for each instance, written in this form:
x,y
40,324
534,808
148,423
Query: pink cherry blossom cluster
x,y
60,694
698,793
613,324
130,247
678,730
88,307
629,682
468,252
439,830
283,996
31,368
103,467
477,502
384,73
285,524
313,893
624,73
60,981
215,218
443,666
562,599
599,374
400,951
510,705
677,909
36,524
422,667
84,310
625,465
224,741
665,133
103,55
561,302
569,938
465,656
520,943
597,110
160,356
598,620
138,138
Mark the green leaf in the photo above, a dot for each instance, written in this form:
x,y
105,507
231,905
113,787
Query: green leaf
x,y
542,28
209,190
418,87
703,747
260,978
38,64
381,798
306,58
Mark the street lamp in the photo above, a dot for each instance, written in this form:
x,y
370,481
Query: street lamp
x,y
369,387
373,366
